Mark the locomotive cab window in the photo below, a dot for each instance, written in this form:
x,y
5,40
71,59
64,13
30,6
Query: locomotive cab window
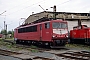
x,y
63,25
47,25
40,27
57,25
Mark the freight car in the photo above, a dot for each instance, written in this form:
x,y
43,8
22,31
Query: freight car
x,y
49,33
80,35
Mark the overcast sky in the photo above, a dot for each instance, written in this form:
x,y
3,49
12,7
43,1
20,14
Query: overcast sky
x,y
17,9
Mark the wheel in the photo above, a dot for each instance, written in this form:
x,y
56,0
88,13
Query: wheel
x,y
71,41
17,41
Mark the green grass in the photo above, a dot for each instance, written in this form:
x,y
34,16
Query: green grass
x,y
0,38
33,46
78,46
34,50
9,39
14,47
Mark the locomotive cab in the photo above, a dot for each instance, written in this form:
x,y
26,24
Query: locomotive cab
x,y
79,27
60,32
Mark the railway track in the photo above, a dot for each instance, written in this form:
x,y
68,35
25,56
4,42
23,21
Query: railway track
x,y
21,56
67,55
7,53
14,55
71,55
39,47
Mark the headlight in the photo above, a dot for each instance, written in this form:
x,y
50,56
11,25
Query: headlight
x,y
53,36
67,36
15,39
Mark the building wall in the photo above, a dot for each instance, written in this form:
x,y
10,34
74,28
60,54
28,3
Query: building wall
x,y
61,15
71,16
34,17
71,24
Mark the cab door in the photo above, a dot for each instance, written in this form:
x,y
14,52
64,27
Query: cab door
x,y
40,32
46,32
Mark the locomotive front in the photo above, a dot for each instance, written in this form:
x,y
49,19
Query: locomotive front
x,y
60,32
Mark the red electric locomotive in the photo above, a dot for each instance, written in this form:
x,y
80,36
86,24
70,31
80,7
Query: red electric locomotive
x,y
53,32
80,34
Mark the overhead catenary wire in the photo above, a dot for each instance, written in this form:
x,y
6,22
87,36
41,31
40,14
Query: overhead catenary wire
x,y
35,4
17,5
2,12
27,7
63,3
1,27
82,7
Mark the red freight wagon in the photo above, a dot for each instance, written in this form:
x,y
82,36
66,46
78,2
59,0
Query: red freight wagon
x,y
53,32
80,34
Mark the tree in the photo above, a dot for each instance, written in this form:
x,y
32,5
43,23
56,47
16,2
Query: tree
x,y
4,32
9,32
